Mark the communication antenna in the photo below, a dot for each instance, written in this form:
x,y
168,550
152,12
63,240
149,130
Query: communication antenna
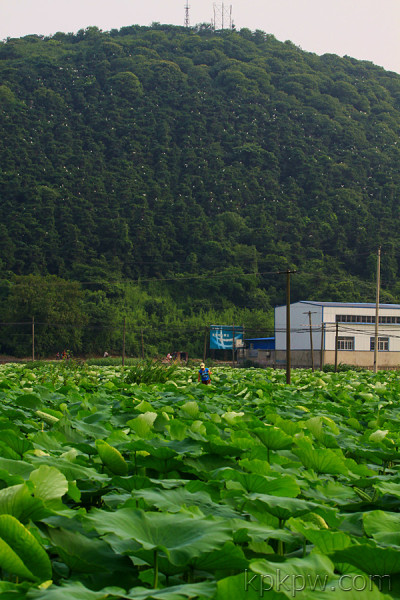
x,y
222,17
187,20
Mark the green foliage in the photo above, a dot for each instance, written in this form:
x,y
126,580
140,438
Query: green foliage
x,y
208,160
150,372
176,490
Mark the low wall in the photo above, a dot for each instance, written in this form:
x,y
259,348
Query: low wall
x,y
301,359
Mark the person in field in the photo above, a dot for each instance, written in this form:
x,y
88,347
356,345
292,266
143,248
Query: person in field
x,y
204,374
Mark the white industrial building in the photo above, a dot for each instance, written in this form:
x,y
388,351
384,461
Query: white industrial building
x,y
350,325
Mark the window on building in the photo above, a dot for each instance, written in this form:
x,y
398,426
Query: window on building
x,y
383,344
366,319
345,343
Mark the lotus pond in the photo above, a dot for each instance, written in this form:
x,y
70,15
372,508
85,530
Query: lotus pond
x,y
244,489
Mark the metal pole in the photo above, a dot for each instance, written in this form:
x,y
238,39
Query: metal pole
x,y
33,339
123,343
233,345
311,342
322,346
336,345
378,283
288,364
205,344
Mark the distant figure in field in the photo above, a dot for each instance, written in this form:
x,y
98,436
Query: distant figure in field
x,y
204,374
105,355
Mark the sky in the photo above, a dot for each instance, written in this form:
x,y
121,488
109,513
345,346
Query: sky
x,y
364,29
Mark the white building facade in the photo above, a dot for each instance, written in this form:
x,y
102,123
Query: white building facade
x,y
349,325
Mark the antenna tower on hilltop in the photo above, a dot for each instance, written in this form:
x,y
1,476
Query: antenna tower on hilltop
x,y
187,20
222,17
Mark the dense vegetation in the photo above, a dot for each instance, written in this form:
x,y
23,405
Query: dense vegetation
x,y
110,489
168,174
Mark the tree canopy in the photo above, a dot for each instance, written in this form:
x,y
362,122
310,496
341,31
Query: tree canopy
x,y
194,165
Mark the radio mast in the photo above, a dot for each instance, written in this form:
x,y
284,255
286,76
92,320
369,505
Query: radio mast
x,y
222,17
187,20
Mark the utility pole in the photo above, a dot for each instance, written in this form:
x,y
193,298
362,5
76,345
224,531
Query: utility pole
x,y
378,283
309,313
33,339
233,345
336,344
322,346
288,365
123,343
205,344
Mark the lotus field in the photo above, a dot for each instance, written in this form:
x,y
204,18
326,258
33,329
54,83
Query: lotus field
x,y
115,486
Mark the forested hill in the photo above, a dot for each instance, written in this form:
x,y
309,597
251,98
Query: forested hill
x,y
163,153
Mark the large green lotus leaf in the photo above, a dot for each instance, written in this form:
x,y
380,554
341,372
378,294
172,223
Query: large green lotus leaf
x,y
190,409
252,482
201,590
273,438
221,447
173,501
18,501
142,425
281,576
370,558
258,532
208,462
134,482
75,591
111,458
246,586
179,536
20,552
352,586
320,460
49,442
157,448
50,485
388,487
177,429
30,401
255,465
72,471
84,554
326,540
8,452
14,591
17,443
316,426
283,508
379,521
16,467
229,557
90,430
332,492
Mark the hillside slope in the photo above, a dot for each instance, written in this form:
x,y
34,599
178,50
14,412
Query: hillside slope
x,y
163,153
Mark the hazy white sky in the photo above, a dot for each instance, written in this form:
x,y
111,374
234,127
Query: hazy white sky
x,y
364,29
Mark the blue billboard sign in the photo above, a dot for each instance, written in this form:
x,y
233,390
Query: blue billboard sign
x,y
221,337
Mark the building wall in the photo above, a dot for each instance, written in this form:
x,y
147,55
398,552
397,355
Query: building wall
x,y
361,332
385,360
299,326
301,359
